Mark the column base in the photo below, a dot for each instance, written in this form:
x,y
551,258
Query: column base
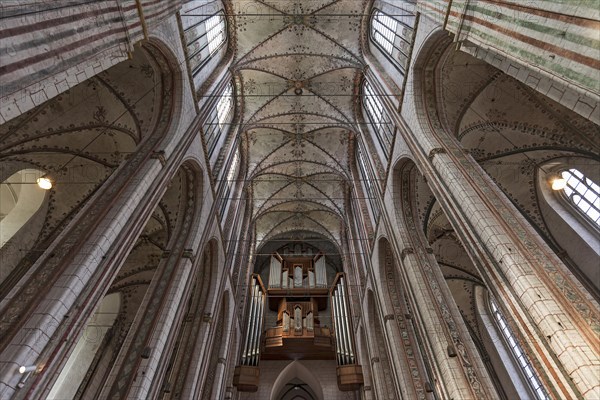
x,y
246,378
349,377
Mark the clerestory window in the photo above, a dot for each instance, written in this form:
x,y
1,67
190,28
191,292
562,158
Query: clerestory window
x,y
520,356
378,118
229,184
203,36
224,106
393,34
384,31
368,178
215,32
583,193
221,114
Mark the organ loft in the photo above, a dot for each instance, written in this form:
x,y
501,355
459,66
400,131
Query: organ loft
x,y
299,200
302,302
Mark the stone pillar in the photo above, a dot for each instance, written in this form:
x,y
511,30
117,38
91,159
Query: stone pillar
x,y
531,280
56,298
460,369
401,370
556,315
161,338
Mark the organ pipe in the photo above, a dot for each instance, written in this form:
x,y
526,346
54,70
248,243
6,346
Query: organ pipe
x,y
342,326
245,353
346,347
336,328
252,322
257,330
275,272
321,272
346,320
284,279
341,340
251,353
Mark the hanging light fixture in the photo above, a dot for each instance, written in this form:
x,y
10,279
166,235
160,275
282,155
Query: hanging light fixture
x,y
558,183
44,182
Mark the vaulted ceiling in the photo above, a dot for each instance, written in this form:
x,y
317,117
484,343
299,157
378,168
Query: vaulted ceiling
x,y
299,64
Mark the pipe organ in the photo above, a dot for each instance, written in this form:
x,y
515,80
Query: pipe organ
x,y
310,318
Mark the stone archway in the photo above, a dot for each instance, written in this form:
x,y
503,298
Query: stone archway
x,y
296,374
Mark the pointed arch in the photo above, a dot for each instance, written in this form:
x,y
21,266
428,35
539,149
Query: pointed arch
x,y
296,370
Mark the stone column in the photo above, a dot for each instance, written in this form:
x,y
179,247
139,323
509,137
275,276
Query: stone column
x,y
460,369
556,315
398,362
163,332
56,297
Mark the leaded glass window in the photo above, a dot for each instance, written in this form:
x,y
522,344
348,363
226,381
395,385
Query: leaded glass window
x,y
203,36
393,34
519,355
378,118
217,122
583,193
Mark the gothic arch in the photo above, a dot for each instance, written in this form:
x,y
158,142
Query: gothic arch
x,y
296,370
197,185
168,231
572,233
186,360
80,138
509,129
213,250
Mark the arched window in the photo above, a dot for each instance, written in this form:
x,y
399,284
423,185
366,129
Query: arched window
x,y
216,125
515,348
224,106
368,177
378,118
203,36
393,35
215,32
232,173
583,193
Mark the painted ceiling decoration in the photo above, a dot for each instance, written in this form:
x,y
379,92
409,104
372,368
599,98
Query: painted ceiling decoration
x,y
299,73
79,138
508,128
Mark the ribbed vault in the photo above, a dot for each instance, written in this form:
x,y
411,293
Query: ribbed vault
x,y
299,65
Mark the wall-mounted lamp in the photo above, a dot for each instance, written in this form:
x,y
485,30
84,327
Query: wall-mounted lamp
x,y
26,371
30,368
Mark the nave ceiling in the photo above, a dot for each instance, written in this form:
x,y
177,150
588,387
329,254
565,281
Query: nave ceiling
x,y
299,64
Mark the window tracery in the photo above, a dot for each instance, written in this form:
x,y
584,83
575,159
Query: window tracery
x,y
220,115
203,37
378,118
368,177
231,174
518,353
393,35
582,193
